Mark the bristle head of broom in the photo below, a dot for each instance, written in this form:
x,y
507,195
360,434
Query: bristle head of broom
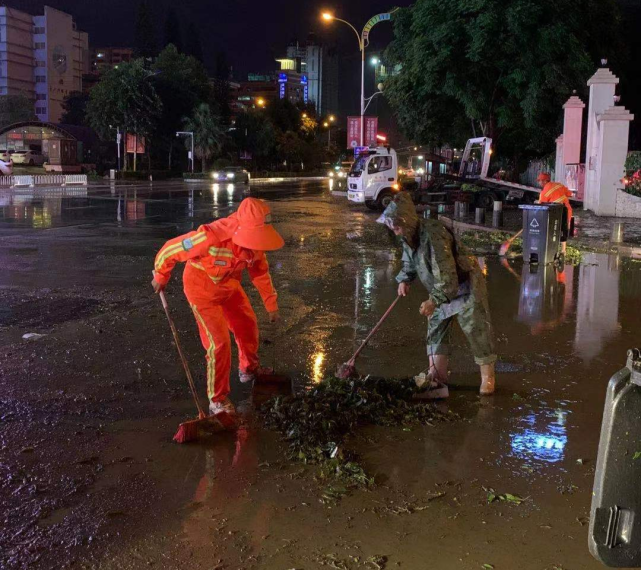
x,y
187,431
346,371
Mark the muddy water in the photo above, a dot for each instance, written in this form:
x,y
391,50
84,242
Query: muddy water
x,y
91,476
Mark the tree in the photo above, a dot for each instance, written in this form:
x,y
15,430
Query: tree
x,y
15,109
221,93
502,68
75,108
208,134
194,46
181,83
145,42
284,115
254,133
173,34
126,99
293,148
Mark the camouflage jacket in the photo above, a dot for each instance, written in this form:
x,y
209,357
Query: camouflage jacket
x,y
439,262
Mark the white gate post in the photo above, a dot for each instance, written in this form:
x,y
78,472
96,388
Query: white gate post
x,y
602,88
614,131
559,167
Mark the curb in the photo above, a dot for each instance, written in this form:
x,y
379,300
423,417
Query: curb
x,y
628,250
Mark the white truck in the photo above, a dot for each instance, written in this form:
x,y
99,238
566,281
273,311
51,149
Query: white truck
x,y
373,178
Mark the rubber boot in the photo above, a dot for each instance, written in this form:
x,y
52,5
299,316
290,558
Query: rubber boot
x,y
488,379
437,371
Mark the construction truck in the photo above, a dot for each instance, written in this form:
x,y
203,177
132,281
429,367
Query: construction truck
x,y
373,178
475,164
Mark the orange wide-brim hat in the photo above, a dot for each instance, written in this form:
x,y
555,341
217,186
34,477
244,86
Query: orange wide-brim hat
x,y
255,230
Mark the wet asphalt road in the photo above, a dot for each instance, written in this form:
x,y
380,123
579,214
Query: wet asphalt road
x,y
89,477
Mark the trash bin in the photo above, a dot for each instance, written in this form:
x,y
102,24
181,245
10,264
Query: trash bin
x,y
615,525
541,232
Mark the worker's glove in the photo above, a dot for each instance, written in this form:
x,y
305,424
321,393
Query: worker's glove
x,y
427,308
403,289
157,286
274,317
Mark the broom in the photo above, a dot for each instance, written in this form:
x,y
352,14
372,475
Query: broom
x,y
348,369
188,431
508,244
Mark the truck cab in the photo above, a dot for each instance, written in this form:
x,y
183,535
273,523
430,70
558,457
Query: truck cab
x,y
373,178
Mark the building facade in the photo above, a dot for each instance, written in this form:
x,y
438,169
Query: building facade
x,y
104,59
319,65
43,58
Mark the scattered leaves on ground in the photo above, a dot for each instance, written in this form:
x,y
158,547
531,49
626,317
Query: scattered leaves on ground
x,y
636,455
316,422
493,496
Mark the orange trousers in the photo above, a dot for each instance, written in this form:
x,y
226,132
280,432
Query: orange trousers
x,y
220,308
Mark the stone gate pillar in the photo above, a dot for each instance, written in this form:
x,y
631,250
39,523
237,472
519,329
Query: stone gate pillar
x,y
602,88
559,169
572,131
612,150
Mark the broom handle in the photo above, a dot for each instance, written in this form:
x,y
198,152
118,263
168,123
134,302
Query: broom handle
x,y
374,330
163,299
514,237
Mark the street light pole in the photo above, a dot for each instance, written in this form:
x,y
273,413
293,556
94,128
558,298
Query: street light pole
x,y
363,42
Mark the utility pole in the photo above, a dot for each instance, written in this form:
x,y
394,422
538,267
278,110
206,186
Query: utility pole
x,y
191,153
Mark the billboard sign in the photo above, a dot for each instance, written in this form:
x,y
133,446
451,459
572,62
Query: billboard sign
x,y
371,130
353,132
135,144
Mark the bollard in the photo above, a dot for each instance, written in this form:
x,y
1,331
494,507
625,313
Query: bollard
x,y
617,232
441,208
498,206
497,219
479,218
464,209
457,209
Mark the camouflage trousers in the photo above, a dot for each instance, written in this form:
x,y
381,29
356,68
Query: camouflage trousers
x,y
471,310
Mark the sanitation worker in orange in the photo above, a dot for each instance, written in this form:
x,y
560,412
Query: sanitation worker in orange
x,y
216,255
556,193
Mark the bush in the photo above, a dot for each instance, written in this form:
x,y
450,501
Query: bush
x,y
633,162
196,175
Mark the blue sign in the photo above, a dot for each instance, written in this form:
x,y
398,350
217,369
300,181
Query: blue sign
x,y
303,80
306,93
282,78
282,91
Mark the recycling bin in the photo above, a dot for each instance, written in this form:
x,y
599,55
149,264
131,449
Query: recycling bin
x,y
541,232
615,515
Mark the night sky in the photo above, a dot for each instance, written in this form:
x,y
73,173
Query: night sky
x,y
251,32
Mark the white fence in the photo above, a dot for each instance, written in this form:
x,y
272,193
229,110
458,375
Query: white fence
x,y
29,181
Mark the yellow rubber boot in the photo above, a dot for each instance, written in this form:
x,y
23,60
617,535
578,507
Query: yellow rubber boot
x,y
488,379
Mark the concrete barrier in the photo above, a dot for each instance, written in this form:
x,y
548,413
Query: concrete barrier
x,y
22,181
75,179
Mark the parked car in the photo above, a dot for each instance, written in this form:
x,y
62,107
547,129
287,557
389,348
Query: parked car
x,y
231,174
30,157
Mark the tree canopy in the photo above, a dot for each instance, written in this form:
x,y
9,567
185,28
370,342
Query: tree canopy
x,y
208,134
15,109
500,68
124,98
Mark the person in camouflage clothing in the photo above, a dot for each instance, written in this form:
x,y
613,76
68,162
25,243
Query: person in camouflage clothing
x,y
456,290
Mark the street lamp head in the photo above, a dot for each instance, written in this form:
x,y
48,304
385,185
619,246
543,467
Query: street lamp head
x,y
304,115
374,61
332,118
326,124
327,16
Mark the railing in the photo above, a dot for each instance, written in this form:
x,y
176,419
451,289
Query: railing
x,y
29,181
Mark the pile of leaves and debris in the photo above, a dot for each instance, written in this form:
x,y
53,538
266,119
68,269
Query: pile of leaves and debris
x,y
484,243
316,422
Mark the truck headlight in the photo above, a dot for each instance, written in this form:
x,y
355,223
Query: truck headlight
x,y
214,174
341,175
230,175
331,175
